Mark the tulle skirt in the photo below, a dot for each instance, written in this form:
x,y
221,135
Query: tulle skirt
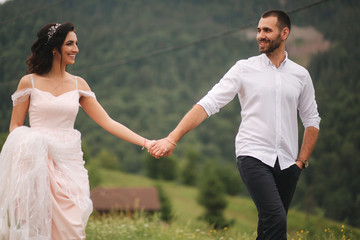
x,y
44,187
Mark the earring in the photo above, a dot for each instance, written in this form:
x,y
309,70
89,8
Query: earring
x,y
53,53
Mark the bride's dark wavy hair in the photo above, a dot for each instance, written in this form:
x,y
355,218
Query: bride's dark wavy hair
x,y
40,61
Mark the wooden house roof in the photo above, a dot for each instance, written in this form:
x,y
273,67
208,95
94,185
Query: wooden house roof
x,y
125,199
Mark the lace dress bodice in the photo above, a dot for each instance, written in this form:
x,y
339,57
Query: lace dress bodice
x,y
49,111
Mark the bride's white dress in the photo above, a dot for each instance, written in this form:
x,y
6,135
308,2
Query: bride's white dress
x,y
44,187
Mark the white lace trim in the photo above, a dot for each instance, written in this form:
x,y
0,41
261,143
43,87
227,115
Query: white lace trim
x,y
22,95
87,94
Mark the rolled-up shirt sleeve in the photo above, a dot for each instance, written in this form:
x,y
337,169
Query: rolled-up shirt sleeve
x,y
222,92
308,110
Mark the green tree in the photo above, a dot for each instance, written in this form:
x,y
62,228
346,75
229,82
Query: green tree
x,y
190,171
168,168
162,168
230,177
166,213
93,166
151,167
108,160
212,197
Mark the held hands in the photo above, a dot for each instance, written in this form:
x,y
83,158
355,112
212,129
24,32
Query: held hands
x,y
162,148
148,144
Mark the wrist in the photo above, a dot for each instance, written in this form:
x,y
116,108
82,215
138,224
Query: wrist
x,y
305,162
172,138
145,142
172,142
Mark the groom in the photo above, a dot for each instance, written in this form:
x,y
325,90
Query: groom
x,y
271,89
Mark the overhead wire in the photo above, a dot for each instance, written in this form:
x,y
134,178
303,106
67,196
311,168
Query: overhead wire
x,y
188,44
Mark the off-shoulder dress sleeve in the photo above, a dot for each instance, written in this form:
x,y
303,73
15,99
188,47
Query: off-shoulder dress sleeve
x,y
21,96
87,94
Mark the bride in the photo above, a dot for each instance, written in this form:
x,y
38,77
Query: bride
x,y
44,187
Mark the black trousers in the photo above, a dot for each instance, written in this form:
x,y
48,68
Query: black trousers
x,y
272,191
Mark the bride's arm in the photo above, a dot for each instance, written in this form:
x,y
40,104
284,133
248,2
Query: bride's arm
x,y
18,115
93,108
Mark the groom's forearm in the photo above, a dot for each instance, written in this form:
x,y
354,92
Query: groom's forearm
x,y
191,120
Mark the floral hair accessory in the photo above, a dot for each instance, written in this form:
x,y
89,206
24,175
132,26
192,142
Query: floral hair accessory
x,y
52,31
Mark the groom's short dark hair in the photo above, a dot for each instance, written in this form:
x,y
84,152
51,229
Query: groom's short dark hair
x,y
283,18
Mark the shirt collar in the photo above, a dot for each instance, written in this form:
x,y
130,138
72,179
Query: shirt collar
x,y
267,61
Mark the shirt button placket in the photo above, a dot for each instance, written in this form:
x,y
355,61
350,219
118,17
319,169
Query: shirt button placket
x,y
278,109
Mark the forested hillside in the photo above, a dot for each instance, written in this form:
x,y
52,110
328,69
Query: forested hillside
x,y
152,94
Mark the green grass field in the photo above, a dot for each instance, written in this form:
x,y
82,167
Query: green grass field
x,y
187,226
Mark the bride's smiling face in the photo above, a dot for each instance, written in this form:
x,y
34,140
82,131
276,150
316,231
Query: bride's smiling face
x,y
69,49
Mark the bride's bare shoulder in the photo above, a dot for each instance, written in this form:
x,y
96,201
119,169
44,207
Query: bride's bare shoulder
x,y
25,82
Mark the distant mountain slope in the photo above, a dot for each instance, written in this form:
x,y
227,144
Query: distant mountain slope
x,y
152,94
